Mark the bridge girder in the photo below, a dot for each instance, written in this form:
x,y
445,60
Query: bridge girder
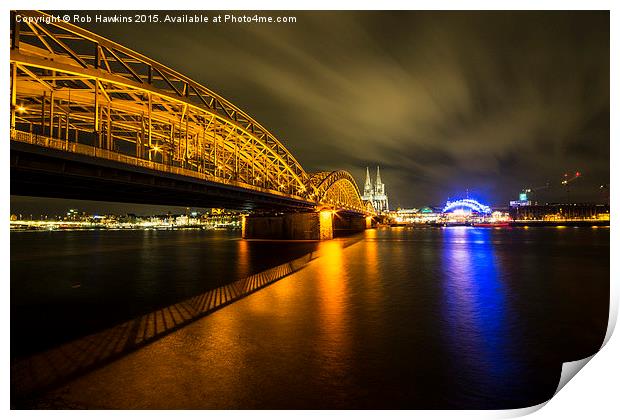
x,y
73,85
338,190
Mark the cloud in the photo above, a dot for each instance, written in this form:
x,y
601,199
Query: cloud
x,y
443,101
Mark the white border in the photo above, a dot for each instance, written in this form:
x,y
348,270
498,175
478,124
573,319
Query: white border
x,y
593,394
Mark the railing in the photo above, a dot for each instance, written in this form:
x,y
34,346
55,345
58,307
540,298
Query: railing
x,y
92,151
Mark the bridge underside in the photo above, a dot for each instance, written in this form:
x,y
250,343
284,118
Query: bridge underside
x,y
319,225
94,120
41,172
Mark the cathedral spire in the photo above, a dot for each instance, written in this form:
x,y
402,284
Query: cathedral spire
x,y
375,193
368,188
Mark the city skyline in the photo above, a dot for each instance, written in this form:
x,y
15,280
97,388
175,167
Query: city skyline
x,y
504,127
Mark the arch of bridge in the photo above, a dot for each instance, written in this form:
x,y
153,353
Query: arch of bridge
x,y
127,101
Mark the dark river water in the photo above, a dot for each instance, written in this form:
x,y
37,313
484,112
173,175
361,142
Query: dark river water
x,y
392,318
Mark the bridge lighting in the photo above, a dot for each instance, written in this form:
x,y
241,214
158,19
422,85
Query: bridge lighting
x,y
278,163
466,205
325,218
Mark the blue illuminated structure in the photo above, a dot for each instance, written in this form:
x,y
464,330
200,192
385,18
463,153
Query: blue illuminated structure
x,y
466,204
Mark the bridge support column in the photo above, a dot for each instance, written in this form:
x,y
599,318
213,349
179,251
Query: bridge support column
x,y
292,226
346,223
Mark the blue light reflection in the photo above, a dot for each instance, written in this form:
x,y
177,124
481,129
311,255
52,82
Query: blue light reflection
x,y
474,311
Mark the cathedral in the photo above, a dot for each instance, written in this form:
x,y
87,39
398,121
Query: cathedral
x,y
375,193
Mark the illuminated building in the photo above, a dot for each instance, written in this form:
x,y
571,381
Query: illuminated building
x,y
467,211
560,212
522,201
466,205
423,215
375,193
75,220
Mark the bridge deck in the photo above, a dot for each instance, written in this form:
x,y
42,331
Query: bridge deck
x,y
93,119
46,167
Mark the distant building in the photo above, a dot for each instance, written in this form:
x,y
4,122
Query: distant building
x,y
522,201
375,193
559,212
466,205
423,215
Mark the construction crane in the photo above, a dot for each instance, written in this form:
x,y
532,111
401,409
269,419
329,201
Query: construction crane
x,y
567,181
529,190
604,190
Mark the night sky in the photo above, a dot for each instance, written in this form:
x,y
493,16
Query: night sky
x,y
444,102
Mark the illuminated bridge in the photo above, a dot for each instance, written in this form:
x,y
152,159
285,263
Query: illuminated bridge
x,y
92,119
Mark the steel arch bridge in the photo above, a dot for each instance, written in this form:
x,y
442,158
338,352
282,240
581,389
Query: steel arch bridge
x,y
335,189
76,92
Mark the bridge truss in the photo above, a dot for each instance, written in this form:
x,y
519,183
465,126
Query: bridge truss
x,y
337,189
76,91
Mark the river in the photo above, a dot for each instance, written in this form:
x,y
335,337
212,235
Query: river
x,y
406,318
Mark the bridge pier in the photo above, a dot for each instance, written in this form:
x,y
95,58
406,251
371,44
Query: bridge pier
x,y
292,226
318,226
348,223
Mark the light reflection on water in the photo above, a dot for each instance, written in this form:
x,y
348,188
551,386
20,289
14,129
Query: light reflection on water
x,y
333,311
372,275
121,275
428,318
474,309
